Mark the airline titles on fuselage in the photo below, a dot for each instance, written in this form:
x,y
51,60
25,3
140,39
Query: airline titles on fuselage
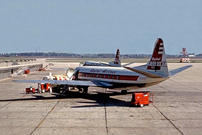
x,y
107,74
102,71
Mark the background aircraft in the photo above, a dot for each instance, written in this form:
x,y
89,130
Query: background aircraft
x,y
115,63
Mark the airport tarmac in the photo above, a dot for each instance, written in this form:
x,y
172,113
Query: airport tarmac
x,y
177,108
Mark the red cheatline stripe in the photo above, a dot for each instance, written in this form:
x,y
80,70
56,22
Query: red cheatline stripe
x,y
107,76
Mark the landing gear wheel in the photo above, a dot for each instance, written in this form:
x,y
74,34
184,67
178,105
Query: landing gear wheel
x,y
85,90
80,90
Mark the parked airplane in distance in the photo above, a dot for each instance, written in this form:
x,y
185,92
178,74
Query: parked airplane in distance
x,y
128,77
115,63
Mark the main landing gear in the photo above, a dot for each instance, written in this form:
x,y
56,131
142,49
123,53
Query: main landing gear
x,y
83,90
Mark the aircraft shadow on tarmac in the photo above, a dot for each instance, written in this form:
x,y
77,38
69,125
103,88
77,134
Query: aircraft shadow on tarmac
x,y
100,99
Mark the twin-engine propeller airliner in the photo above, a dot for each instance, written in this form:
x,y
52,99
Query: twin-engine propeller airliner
x,y
115,63
127,77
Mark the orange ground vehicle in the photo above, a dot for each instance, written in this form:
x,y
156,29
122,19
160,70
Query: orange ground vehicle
x,y
28,90
26,71
140,99
44,87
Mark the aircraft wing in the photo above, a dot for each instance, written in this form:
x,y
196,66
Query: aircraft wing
x,y
74,83
177,70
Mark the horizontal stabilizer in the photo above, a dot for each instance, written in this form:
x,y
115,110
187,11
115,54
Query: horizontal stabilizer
x,y
149,75
127,64
178,70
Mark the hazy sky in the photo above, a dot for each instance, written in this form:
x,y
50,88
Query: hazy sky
x,y
100,26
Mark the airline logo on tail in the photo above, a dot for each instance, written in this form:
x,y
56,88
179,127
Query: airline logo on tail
x,y
158,59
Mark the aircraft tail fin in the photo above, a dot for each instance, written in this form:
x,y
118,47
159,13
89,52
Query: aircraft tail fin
x,y
158,63
157,66
117,61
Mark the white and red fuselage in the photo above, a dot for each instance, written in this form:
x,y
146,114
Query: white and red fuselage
x,y
120,77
